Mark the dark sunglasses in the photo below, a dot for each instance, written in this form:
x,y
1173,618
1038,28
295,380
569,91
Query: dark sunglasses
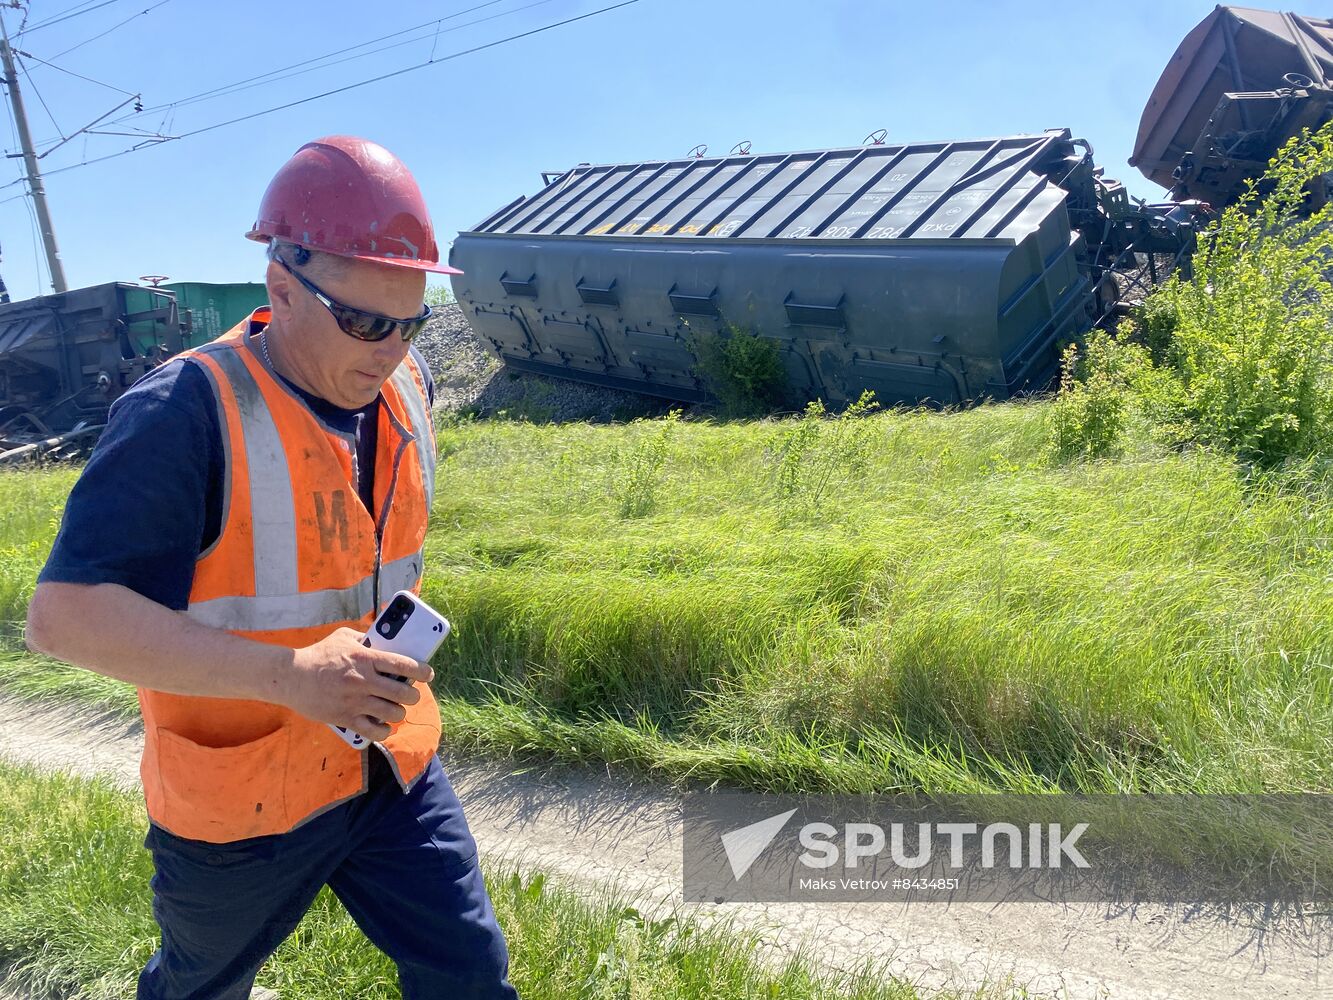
x,y
357,322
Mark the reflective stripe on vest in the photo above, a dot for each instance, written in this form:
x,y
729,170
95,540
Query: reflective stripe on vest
x,y
406,377
272,509
312,607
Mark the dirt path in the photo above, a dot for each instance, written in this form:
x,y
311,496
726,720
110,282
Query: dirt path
x,y
592,830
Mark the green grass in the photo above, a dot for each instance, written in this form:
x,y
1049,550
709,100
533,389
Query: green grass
x,y
31,501
76,922
954,615
911,600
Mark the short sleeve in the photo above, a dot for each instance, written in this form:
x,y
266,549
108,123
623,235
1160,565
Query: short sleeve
x,y
149,499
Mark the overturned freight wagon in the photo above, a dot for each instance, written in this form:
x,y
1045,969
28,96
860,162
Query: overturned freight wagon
x,y
65,358
939,272
1240,84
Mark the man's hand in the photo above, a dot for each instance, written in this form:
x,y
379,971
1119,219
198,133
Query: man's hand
x,y
339,680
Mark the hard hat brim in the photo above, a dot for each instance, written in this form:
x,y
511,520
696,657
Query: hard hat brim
x,y
259,236
408,262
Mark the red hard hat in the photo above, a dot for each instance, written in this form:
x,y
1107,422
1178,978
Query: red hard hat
x,y
350,197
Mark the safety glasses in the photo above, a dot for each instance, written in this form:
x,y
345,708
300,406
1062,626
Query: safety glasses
x,y
357,322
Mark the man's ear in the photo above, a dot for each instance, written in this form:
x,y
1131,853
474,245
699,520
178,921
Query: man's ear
x,y
279,293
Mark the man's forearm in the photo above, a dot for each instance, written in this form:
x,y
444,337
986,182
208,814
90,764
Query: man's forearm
x,y
112,630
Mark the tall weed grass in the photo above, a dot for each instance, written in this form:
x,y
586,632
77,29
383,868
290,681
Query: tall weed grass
x,y
958,615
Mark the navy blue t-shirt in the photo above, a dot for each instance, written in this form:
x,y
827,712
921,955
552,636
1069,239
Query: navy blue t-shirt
x,y
150,498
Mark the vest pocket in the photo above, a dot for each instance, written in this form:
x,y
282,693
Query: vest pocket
x,y
224,793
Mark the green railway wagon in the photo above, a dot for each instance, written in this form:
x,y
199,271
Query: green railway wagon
x,y
215,307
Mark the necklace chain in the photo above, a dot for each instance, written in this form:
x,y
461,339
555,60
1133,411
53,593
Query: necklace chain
x,y
263,343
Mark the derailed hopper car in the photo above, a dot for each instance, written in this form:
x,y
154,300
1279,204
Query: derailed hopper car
x,y
940,272
1240,84
65,358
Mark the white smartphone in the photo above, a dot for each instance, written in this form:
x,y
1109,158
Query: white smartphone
x,y
407,625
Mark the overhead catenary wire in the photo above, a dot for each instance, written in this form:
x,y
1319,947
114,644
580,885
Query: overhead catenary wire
x,y
272,76
66,138
103,34
38,256
27,7
88,130
337,90
268,76
62,69
59,19
236,89
40,98
407,69
63,10
27,11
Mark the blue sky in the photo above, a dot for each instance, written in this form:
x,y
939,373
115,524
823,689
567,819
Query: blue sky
x,y
646,81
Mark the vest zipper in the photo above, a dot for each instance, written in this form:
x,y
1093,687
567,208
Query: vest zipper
x,y
379,540
384,515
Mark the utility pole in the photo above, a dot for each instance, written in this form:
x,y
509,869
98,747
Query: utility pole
x,y
11,80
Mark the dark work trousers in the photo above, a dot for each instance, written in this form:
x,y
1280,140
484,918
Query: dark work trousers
x,y
404,865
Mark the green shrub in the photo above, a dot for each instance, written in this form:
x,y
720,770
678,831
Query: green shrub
x,y
1103,390
1157,326
1248,335
439,295
1088,416
817,453
743,370
636,484
1241,354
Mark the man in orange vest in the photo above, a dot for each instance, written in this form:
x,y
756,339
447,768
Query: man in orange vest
x,y
250,507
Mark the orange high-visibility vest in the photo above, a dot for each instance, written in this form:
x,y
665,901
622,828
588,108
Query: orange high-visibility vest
x,y
298,557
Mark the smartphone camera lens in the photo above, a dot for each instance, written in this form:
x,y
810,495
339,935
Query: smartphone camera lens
x,y
386,628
